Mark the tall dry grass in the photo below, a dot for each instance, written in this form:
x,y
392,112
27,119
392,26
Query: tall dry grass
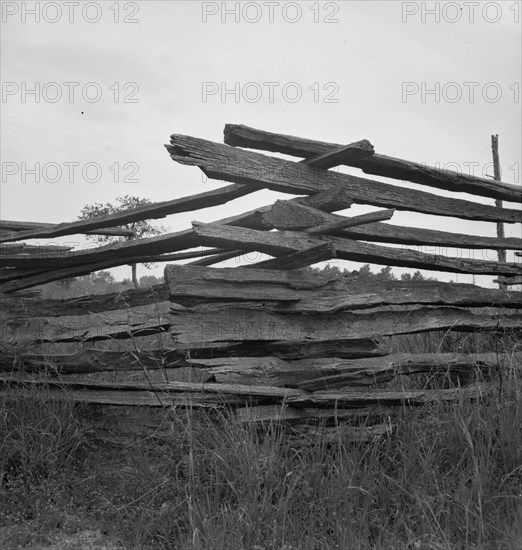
x,y
449,476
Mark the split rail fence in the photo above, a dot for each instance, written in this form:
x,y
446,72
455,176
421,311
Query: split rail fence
x,y
270,340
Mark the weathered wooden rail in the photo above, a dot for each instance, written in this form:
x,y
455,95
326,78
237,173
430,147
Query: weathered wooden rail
x,y
269,341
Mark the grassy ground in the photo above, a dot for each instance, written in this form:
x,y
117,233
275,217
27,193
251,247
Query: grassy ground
x,y
448,477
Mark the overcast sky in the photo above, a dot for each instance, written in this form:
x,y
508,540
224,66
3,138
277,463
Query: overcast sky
x,y
94,90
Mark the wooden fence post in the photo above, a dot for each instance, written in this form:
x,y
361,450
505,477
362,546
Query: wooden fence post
x,y
498,202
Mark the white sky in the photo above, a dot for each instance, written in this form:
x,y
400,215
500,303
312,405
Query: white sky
x,y
163,60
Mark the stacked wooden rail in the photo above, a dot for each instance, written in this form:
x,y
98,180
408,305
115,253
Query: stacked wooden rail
x,y
269,340
270,344
326,192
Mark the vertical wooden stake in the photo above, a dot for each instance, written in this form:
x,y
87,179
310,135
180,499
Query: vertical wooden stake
x,y
498,203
